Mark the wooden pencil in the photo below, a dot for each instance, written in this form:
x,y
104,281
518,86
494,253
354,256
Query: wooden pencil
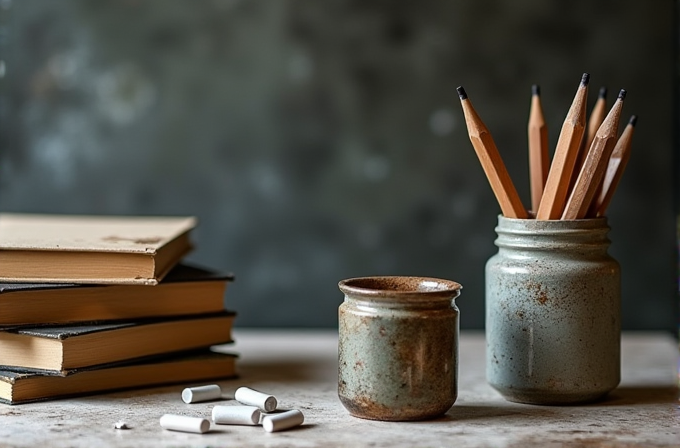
x,y
539,162
596,118
595,164
494,168
561,168
617,164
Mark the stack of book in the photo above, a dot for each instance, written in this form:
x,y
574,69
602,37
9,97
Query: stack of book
x,y
98,303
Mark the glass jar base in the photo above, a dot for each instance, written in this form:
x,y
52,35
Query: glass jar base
x,y
551,398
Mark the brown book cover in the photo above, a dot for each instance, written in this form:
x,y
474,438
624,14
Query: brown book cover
x,y
22,386
72,347
91,249
185,290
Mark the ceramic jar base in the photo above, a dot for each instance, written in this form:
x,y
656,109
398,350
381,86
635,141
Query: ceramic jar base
x,y
545,398
370,410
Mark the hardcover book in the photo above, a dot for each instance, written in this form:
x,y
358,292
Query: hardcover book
x,y
73,347
20,386
91,249
185,290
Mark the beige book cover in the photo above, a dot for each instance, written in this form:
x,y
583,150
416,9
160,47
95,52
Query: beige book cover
x,y
91,249
17,386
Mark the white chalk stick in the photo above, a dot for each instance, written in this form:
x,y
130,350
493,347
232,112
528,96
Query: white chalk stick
x,y
236,415
201,393
185,424
284,420
251,397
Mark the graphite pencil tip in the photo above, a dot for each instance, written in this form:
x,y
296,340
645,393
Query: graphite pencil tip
x,y
622,94
461,93
603,93
535,89
633,120
585,79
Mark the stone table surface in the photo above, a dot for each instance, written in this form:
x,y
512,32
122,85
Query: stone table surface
x,y
300,368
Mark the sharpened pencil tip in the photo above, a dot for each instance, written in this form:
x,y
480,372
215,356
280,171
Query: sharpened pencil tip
x,y
536,90
603,93
585,79
622,94
633,120
461,93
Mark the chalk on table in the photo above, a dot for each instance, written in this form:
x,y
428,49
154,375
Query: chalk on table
x,y
201,393
184,424
120,424
283,420
251,397
236,415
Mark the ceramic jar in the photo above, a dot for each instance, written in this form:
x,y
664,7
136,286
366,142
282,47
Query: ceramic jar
x,y
553,312
398,347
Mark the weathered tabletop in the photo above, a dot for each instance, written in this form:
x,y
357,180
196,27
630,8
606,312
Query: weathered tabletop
x,y
300,368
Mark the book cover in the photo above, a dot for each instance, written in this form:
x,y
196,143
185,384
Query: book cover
x,y
91,249
62,348
185,290
21,386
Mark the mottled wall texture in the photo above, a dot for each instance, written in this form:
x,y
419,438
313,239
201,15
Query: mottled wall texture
x,y
319,140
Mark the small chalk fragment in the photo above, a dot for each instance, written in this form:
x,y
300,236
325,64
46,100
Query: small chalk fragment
x,y
283,420
121,425
236,415
185,424
251,397
201,393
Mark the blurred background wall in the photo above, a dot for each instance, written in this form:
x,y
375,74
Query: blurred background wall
x,y
317,140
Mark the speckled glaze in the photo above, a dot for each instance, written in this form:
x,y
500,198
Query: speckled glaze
x,y
553,312
398,347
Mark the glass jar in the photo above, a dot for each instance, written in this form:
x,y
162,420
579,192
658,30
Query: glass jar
x,y
553,320
398,347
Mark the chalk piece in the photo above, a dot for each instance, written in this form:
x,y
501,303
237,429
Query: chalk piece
x,y
201,393
236,415
185,424
251,397
284,420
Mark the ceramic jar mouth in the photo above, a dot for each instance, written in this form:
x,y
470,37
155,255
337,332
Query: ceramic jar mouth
x,y
538,225
400,288
531,234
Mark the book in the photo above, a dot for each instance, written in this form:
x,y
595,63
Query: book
x,y
21,386
185,290
72,347
91,249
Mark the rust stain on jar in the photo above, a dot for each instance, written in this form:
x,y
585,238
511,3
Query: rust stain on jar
x,y
535,289
366,408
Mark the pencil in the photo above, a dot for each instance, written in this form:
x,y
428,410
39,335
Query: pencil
x,y
596,118
561,168
494,168
595,164
539,162
617,164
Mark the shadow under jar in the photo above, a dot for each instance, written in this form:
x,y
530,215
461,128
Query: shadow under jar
x,y
553,305
398,347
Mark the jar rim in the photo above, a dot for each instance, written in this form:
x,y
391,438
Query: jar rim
x,y
395,286
531,222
